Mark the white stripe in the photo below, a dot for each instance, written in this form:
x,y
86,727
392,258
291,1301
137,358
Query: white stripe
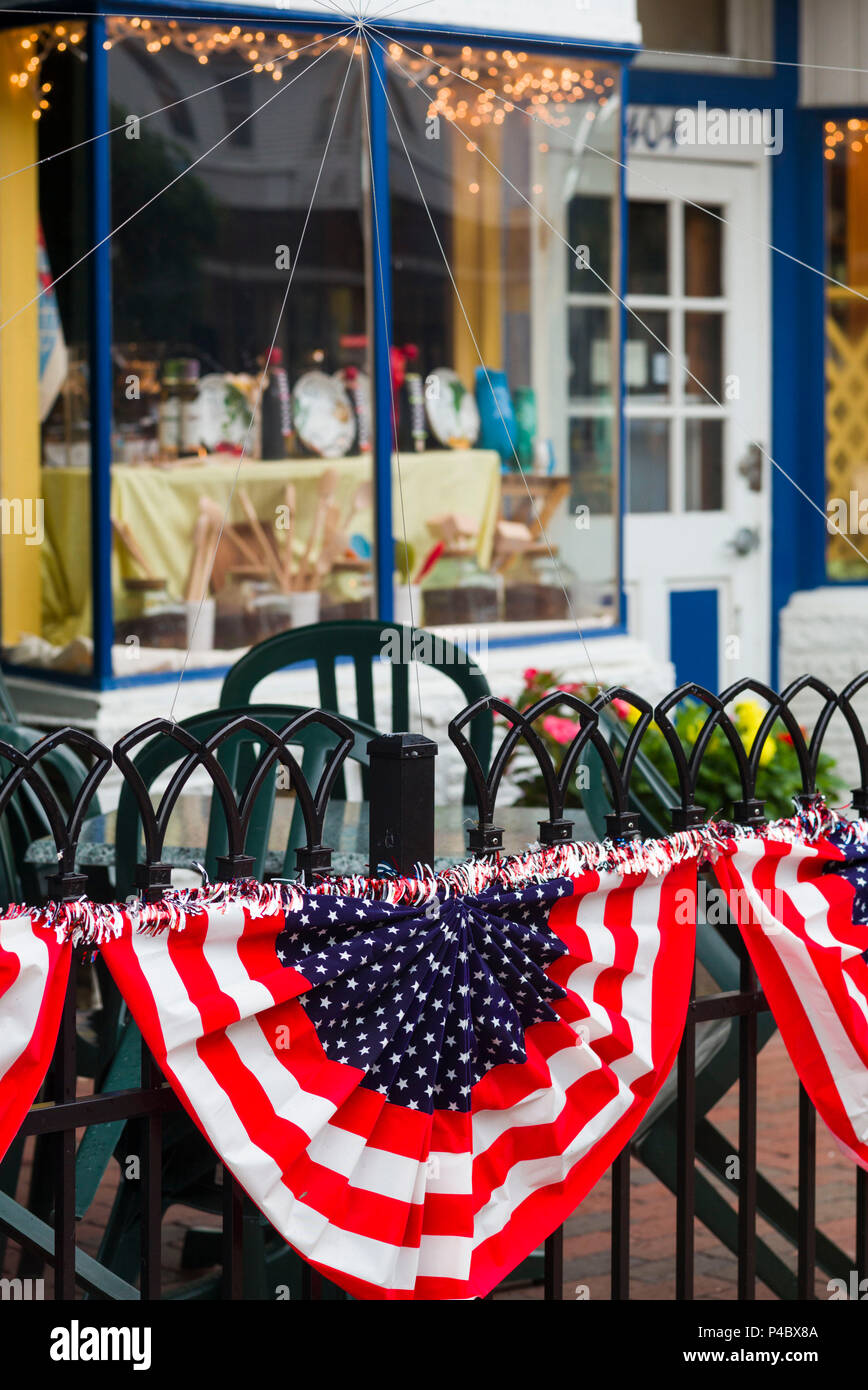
x,y
636,994
530,1175
365,1166
220,949
23,999
846,1066
450,1174
856,995
375,1261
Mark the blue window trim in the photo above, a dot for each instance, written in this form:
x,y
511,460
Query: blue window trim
x,y
101,326
627,78
381,318
100,308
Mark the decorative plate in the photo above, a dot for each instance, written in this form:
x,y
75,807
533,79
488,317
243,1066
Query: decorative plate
x,y
323,415
452,410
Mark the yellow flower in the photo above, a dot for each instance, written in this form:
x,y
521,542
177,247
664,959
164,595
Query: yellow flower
x,y
749,715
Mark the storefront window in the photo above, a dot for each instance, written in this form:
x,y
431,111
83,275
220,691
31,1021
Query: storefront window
x,y
251,246
847,348
241,421
505,329
45,565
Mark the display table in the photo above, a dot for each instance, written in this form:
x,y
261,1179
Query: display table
x,y
160,507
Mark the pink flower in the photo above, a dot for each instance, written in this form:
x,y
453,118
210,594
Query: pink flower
x,y
530,675
622,709
561,730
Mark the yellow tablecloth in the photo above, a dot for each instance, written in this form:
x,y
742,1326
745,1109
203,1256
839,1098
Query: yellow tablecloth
x,y
160,506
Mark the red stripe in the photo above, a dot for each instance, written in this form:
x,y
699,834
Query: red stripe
x,y
368,1115
20,1083
793,1001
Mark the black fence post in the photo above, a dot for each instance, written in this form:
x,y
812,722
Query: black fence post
x,y
402,802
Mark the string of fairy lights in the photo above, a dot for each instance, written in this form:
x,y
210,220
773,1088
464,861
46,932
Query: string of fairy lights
x,y
845,137
507,78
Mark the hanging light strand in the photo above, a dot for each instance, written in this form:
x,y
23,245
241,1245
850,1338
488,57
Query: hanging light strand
x,y
266,52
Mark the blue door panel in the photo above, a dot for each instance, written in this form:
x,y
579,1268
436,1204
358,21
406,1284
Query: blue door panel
x,y
694,641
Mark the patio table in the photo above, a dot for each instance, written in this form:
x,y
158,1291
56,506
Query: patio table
x,y
346,831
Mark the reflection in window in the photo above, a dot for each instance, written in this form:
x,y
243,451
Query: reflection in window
x,y
703,252
648,266
647,364
703,465
703,339
203,277
648,465
509,372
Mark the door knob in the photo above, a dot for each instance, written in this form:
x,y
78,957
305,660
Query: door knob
x,y
745,541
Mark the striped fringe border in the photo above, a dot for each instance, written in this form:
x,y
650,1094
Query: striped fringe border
x,y
86,923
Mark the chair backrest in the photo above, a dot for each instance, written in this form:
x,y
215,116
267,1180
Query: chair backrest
x,y
25,820
237,757
327,644
7,707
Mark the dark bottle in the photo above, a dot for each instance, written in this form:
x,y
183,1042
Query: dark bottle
x,y
276,408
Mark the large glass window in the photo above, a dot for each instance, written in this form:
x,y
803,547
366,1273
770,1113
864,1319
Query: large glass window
x,y
45,558
505,234
251,182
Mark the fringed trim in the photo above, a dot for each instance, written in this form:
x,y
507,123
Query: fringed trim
x,y
84,923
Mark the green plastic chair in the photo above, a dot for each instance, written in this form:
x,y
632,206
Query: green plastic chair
x,y
188,1160
7,705
236,757
65,772
719,951
23,822
362,643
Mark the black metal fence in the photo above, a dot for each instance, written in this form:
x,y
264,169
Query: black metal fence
x,y
400,782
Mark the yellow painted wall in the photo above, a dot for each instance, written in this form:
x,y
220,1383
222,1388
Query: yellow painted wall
x,y
20,585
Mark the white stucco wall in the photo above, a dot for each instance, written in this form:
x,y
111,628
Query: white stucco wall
x,y
616,661
608,20
833,48
825,632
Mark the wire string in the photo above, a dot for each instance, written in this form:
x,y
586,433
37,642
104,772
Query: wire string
x,y
552,553
631,169
392,424
258,397
133,215
630,310
160,110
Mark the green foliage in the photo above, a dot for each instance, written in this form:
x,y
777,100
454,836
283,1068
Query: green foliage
x,y
718,784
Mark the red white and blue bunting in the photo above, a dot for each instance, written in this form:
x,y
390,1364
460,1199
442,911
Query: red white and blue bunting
x,y
418,1079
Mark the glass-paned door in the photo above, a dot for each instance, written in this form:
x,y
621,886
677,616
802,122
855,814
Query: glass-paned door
x,y
696,398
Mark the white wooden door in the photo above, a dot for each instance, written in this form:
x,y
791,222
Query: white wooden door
x,y
697,543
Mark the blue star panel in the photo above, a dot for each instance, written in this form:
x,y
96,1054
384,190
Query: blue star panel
x,y
426,999
854,871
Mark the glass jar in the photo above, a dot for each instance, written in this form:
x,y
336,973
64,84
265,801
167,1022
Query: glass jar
x,y
458,592
154,618
535,588
347,591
